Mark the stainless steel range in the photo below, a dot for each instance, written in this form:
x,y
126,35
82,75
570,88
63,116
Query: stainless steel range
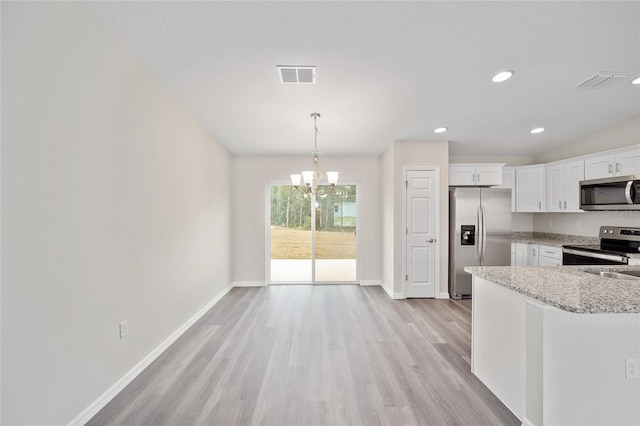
x,y
616,243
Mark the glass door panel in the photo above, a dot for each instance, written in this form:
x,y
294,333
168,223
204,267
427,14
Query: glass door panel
x,y
335,237
311,246
290,232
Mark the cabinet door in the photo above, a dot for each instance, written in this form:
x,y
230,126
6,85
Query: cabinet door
x,y
628,162
548,261
530,189
574,173
521,254
489,176
509,181
462,175
555,183
600,166
532,255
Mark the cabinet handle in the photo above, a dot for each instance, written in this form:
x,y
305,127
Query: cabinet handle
x,y
473,178
478,177
618,168
610,168
559,204
539,205
565,204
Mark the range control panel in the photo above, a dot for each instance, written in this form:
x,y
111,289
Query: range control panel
x,y
619,233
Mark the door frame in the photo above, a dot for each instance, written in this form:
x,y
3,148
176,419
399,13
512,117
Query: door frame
x,y
267,239
435,169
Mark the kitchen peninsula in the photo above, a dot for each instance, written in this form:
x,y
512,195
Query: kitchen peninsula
x,y
553,343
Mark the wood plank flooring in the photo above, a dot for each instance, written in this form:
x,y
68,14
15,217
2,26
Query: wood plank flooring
x,y
315,355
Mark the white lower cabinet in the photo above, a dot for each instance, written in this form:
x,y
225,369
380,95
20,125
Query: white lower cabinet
x,y
553,367
531,254
520,252
549,256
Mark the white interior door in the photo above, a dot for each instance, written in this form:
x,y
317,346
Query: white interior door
x,y
421,207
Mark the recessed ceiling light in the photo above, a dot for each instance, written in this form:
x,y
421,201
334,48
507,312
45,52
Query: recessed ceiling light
x,y
537,130
636,81
440,130
502,76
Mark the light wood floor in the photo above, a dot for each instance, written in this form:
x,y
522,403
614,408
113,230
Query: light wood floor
x,y
315,355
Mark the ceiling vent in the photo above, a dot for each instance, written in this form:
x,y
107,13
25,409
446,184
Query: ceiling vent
x,y
293,74
602,80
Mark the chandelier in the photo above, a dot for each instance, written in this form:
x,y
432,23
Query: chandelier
x,y
312,178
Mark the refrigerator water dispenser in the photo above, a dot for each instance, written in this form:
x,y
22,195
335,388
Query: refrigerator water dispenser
x,y
468,235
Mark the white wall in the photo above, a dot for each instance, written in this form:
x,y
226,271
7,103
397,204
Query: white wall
x,y
617,136
587,223
249,188
115,205
388,230
415,154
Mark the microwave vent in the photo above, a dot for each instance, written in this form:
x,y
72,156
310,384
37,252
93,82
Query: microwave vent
x,y
602,80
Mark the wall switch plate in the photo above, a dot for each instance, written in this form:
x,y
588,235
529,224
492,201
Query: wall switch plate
x,y
631,368
124,328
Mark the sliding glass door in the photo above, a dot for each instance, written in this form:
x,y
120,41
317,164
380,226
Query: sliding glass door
x,y
313,245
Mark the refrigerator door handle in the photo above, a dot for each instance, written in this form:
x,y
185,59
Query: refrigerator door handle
x,y
480,232
484,232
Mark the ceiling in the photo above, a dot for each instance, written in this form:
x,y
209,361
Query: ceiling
x,y
389,71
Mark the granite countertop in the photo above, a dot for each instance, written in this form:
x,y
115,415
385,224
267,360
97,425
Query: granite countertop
x,y
548,239
569,288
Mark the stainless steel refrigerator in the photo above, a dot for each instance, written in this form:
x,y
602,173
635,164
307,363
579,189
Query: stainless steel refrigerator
x,y
479,233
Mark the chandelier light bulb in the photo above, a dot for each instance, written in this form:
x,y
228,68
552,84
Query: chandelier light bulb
x,y
332,177
307,176
295,180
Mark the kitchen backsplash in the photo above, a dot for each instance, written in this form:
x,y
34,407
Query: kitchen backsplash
x,y
586,224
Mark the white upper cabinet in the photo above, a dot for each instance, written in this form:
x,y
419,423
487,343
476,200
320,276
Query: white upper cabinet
x,y
530,188
562,182
509,181
472,174
615,163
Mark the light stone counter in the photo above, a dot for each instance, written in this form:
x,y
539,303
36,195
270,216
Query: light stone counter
x,y
549,239
569,288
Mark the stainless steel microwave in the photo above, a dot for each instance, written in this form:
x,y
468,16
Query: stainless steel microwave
x,y
614,193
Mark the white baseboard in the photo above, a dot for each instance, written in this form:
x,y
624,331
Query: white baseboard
x,y
248,284
391,294
104,399
371,282
442,296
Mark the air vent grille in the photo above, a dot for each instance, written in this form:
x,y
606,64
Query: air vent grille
x,y
602,80
294,74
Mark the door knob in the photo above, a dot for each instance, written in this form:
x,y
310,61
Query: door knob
x,y
431,240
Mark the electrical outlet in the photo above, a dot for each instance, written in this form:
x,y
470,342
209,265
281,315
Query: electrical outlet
x,y
124,328
577,225
549,224
631,368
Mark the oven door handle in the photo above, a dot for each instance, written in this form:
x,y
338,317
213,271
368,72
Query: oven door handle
x,y
596,255
627,192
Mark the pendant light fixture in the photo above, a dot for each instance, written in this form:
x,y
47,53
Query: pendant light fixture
x,y
312,178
